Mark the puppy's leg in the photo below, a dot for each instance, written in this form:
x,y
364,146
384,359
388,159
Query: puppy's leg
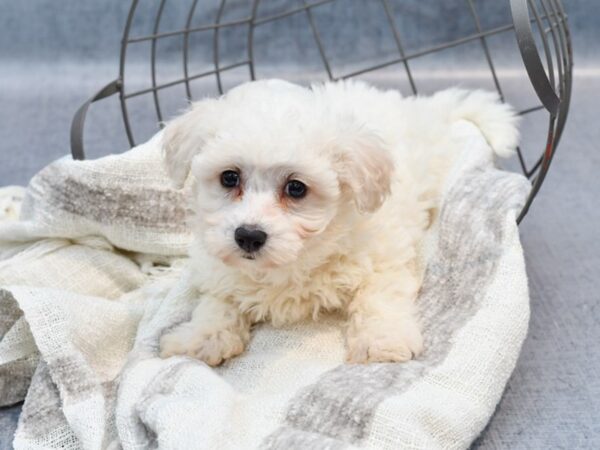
x,y
382,323
216,332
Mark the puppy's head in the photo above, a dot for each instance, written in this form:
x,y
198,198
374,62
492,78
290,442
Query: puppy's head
x,y
272,170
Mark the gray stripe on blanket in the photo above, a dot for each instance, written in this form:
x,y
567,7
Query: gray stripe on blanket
x,y
15,376
119,203
337,410
10,311
163,384
42,413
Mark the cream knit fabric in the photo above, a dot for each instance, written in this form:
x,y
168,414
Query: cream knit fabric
x,y
92,273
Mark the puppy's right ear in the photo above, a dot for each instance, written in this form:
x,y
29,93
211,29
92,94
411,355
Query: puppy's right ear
x,y
185,136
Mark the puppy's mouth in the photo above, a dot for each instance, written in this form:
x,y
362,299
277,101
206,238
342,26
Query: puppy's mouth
x,y
249,256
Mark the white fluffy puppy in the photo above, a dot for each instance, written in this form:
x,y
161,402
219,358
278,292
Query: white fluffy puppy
x,y
314,200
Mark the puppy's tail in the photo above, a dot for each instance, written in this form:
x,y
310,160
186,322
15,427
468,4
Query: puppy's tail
x,y
497,121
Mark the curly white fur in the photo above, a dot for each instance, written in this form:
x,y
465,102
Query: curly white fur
x,y
373,163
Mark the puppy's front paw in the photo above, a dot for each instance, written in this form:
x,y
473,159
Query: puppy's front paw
x,y
386,344
212,348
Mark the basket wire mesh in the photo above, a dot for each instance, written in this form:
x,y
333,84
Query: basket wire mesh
x,y
550,75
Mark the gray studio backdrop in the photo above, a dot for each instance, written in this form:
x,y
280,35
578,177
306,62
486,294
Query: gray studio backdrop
x,y
54,54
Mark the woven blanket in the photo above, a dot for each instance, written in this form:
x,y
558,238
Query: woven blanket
x,y
93,271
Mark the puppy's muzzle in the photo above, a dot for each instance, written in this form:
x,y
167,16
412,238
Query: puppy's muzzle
x,y
250,239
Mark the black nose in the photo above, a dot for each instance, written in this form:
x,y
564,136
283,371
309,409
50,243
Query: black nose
x,y
250,239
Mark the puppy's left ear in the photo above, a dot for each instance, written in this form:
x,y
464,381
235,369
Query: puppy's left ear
x,y
365,168
185,136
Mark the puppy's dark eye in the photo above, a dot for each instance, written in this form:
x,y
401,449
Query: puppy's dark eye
x,y
295,189
230,179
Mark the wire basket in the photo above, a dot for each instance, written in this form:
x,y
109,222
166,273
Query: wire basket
x,y
540,28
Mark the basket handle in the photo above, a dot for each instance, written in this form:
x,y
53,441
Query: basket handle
x,y
531,57
79,119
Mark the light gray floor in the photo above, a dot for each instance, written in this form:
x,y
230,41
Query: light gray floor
x,y
553,398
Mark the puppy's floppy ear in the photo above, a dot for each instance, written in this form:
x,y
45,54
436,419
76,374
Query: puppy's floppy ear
x,y
184,137
365,167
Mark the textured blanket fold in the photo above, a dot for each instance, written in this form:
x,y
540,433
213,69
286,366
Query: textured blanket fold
x,y
93,272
